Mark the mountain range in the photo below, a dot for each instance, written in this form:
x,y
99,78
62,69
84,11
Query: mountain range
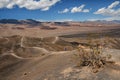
x,y
31,21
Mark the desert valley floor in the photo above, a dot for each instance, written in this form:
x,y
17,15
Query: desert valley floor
x,y
32,52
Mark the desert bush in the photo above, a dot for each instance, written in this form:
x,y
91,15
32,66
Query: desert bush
x,y
92,56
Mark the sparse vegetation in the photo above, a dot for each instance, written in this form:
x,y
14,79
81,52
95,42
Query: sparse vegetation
x,y
92,56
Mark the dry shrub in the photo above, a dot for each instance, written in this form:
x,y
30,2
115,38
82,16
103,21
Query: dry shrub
x,y
92,56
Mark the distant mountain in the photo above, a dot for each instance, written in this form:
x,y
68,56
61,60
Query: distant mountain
x,y
113,21
30,21
117,21
14,21
105,22
34,22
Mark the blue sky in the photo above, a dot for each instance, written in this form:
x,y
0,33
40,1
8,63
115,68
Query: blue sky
x,y
60,10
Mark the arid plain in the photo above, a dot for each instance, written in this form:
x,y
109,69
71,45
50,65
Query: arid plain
x,y
31,50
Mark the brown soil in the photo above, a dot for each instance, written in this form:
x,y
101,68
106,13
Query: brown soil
x,y
36,54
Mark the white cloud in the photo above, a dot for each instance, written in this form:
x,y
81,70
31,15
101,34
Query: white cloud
x,y
86,10
79,9
109,11
59,20
75,9
112,18
64,11
28,4
107,19
62,20
114,4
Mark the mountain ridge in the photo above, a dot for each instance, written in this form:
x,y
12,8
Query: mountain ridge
x,y
32,21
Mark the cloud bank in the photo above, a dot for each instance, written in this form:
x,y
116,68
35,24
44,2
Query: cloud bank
x,y
64,11
75,9
79,9
110,10
28,4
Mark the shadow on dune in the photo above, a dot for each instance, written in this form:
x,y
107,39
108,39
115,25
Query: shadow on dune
x,y
28,47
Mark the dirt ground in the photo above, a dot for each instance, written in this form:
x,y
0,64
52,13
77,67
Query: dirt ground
x,y
42,55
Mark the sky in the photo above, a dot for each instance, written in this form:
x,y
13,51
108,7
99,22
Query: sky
x,y
60,10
